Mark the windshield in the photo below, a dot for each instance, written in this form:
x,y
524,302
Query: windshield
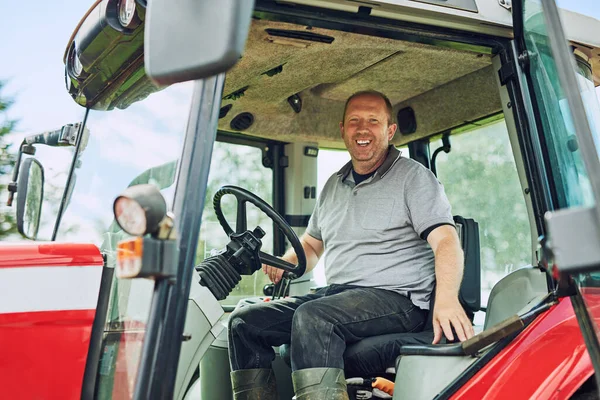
x,y
140,144
590,99
569,179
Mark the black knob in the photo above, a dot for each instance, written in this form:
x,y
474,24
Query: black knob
x,y
268,289
258,232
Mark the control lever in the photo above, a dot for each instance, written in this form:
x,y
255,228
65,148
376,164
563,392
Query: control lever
x,y
222,272
281,289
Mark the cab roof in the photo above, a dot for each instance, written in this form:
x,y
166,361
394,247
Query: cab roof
x,y
295,75
445,87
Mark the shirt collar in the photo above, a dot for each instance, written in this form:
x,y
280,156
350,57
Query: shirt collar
x,y
392,157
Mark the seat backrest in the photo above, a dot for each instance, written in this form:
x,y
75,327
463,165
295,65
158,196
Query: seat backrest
x,y
470,288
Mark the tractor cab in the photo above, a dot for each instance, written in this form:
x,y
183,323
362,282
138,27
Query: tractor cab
x,y
207,134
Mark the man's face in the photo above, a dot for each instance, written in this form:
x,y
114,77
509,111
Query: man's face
x,y
366,132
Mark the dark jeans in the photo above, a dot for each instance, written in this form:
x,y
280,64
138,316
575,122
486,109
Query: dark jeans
x,y
318,326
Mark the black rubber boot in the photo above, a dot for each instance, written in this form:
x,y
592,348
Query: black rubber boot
x,y
254,384
320,384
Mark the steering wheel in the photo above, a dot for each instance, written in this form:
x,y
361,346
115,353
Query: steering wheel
x,y
243,196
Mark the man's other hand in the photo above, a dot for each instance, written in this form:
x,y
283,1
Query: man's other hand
x,y
275,274
448,313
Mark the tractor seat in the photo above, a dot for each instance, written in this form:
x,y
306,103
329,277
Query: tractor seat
x,y
373,355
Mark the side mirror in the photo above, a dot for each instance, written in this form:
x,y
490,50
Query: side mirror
x,y
29,199
65,136
190,39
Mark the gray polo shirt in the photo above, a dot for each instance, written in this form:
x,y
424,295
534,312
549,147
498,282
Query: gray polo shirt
x,y
371,231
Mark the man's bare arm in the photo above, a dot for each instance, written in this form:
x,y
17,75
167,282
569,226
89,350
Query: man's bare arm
x,y
449,265
313,248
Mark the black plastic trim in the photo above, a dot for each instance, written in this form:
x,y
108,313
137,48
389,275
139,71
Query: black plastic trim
x,y
224,110
242,121
298,221
88,389
418,150
454,349
506,73
244,140
279,245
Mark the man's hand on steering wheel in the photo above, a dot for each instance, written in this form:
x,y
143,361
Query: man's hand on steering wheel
x,y
275,274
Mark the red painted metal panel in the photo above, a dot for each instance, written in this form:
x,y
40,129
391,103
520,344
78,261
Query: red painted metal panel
x,y
548,360
44,354
49,254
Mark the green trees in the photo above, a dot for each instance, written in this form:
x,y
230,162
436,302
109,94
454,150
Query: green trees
x,y
7,161
481,182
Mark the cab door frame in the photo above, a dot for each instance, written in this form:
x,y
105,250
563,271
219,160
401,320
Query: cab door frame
x,y
569,230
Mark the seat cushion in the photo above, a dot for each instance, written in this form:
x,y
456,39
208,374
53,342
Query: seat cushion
x,y
373,355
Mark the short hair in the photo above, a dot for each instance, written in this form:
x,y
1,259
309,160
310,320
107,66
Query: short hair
x,y
388,103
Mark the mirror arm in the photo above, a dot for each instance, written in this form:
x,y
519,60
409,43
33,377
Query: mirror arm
x,y
65,136
12,186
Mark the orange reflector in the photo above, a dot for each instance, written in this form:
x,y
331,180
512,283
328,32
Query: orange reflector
x,y
384,385
129,257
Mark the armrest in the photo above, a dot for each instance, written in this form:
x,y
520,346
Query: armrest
x,y
453,349
468,347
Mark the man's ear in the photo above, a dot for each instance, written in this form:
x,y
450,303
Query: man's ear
x,y
342,129
392,131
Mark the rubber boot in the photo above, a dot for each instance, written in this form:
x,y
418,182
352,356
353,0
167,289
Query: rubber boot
x,y
254,384
320,384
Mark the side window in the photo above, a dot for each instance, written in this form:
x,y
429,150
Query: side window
x,y
481,182
328,163
240,166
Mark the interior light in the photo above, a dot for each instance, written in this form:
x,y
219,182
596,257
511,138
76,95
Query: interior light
x,y
126,12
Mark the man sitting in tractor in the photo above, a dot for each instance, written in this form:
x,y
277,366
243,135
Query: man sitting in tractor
x,y
390,238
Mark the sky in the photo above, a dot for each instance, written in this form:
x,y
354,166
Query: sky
x,y
32,58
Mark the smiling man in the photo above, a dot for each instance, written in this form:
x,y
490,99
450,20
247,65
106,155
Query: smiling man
x,y
389,234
